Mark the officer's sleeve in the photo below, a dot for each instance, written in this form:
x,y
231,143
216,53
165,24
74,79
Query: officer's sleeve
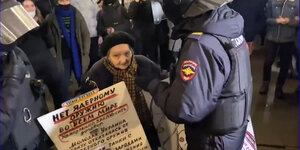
x,y
198,82
9,104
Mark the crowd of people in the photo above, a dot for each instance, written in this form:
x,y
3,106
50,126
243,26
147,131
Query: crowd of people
x,y
107,42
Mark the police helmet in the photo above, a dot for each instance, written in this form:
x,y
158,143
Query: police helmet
x,y
176,10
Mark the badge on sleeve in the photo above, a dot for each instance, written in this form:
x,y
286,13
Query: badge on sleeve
x,y
189,69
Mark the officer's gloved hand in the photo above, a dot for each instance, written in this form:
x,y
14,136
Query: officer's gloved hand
x,y
143,81
13,67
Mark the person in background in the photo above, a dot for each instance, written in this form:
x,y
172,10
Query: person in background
x,y
37,49
89,10
113,17
151,35
144,29
254,21
120,64
71,40
33,11
280,37
297,53
45,6
211,82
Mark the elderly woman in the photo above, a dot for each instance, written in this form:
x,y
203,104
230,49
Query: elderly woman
x,y
120,64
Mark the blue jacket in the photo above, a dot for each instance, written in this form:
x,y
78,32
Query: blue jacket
x,y
199,77
278,32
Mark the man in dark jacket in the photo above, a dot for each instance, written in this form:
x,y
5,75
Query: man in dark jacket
x,y
281,32
254,17
144,28
151,36
113,17
71,40
210,88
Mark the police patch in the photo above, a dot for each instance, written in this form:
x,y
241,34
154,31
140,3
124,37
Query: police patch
x,y
189,69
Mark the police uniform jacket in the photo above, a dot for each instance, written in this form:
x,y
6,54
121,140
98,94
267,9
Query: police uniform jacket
x,y
200,74
20,106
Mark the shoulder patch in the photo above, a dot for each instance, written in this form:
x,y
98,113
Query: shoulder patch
x,y
188,70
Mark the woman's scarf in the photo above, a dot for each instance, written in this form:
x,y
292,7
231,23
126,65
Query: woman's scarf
x,y
70,37
136,94
126,75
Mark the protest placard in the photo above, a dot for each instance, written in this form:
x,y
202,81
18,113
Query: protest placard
x,y
101,120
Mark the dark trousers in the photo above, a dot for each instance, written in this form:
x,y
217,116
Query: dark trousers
x,y
146,42
57,87
152,137
94,54
46,69
65,81
284,51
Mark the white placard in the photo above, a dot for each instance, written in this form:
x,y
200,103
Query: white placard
x,y
99,120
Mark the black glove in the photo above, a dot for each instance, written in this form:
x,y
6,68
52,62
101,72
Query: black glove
x,y
147,72
144,80
172,72
12,67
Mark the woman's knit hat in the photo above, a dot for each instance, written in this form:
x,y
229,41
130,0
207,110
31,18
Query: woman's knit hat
x,y
116,38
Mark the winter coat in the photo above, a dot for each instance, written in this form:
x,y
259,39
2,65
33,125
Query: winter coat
x,y
281,33
142,18
104,78
43,63
89,11
45,6
199,77
113,16
20,107
82,36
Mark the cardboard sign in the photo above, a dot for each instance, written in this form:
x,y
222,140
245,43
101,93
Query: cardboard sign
x,y
249,140
99,120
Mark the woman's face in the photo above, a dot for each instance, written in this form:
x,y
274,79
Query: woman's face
x,y
120,56
63,2
29,6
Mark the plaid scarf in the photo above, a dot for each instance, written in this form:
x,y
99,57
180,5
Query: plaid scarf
x,y
136,94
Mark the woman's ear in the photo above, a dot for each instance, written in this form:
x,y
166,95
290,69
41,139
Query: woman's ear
x,y
132,51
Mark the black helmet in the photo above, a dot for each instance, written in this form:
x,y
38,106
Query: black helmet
x,y
176,10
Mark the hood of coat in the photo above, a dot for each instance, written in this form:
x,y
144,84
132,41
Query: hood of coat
x,y
111,3
223,22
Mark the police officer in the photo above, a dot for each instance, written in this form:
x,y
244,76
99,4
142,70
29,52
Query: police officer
x,y
21,94
210,88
